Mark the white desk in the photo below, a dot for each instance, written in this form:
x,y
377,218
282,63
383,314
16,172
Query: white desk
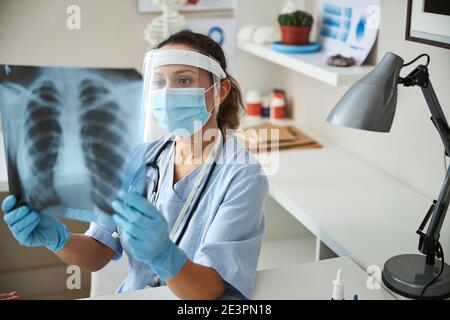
x,y
308,281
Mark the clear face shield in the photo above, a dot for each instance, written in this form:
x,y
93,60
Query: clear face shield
x,y
181,92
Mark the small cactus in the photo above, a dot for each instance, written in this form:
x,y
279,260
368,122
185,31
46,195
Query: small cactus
x,y
297,18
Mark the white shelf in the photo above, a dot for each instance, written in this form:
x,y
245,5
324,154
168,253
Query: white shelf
x,y
311,64
285,252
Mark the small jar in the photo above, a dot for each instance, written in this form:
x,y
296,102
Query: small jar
x,y
253,103
265,109
278,104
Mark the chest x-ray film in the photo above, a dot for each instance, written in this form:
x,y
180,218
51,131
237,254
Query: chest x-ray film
x,y
67,133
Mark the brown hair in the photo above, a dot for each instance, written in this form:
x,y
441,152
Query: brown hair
x,y
228,117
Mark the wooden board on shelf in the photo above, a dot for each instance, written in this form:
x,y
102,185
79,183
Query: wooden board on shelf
x,y
258,138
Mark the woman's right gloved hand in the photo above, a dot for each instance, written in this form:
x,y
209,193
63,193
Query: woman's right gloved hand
x,y
32,229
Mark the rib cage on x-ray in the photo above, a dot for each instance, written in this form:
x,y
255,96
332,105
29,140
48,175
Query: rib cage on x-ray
x,y
68,132
101,134
43,139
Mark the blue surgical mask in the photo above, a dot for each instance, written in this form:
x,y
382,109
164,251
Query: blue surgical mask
x,y
180,110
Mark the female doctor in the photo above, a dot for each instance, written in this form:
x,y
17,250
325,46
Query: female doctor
x,y
190,214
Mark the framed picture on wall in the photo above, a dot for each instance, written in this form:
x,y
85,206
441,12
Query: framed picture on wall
x,y
428,21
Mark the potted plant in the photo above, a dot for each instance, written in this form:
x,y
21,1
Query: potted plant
x,y
295,27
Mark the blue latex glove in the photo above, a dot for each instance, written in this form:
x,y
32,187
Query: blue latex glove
x,y
32,229
144,232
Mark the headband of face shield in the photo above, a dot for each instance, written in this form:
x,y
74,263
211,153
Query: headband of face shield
x,y
181,90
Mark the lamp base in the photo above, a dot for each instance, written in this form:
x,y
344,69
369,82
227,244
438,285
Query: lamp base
x,y
408,274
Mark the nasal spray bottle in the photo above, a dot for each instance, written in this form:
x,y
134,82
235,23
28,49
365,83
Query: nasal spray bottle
x,y
338,287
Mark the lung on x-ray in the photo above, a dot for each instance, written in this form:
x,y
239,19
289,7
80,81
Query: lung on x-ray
x,y
67,133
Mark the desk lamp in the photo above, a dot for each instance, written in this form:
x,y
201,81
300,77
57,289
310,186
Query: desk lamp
x,y
370,105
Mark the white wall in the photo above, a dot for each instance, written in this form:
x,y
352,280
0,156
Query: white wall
x,y
34,32
111,34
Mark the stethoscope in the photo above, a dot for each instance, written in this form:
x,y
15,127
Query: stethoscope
x,y
187,210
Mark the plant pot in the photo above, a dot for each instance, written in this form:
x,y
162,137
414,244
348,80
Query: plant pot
x,y
295,35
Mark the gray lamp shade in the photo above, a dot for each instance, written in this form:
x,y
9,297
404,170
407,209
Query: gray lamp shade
x,y
370,103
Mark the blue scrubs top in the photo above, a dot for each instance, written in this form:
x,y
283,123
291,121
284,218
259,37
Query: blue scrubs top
x,y
226,230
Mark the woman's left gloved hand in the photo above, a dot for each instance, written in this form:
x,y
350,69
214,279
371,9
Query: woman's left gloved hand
x,y
144,232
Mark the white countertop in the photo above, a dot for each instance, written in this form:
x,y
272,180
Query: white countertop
x,y
312,281
307,281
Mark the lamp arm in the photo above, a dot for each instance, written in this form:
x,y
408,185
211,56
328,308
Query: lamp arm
x,y
437,115
420,77
440,122
440,209
428,243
